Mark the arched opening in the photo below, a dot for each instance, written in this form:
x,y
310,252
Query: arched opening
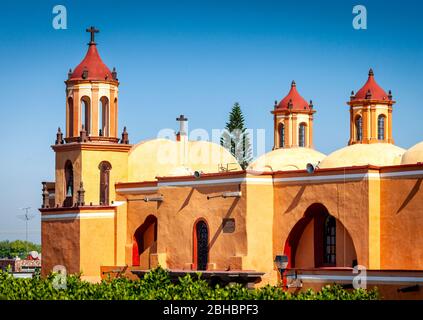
x,y
302,135
104,116
358,128
105,168
381,127
319,240
69,189
70,116
201,245
145,243
86,114
281,130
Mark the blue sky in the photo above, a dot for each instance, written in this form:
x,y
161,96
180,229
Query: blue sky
x,y
197,58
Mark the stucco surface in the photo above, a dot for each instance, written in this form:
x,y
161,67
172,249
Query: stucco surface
x,y
286,159
413,155
378,154
161,157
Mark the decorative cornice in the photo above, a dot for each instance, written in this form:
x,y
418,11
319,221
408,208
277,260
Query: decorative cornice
x,y
117,147
368,102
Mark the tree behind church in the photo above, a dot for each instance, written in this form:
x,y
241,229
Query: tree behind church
x,y
235,137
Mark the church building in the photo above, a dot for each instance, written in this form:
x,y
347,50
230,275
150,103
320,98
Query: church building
x,y
187,205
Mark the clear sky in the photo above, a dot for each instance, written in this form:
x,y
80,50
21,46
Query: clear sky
x,y
197,58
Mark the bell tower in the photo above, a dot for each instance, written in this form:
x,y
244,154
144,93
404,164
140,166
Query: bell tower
x,y
92,99
81,212
293,121
91,156
371,114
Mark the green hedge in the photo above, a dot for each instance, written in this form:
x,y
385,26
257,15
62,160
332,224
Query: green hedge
x,y
157,285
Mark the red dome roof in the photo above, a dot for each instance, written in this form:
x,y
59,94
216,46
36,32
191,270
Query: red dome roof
x,y
92,63
371,90
293,101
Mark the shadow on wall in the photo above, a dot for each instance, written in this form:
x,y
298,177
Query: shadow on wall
x,y
411,195
296,199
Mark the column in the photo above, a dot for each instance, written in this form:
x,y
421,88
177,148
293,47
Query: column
x,y
76,112
310,132
94,111
294,131
373,125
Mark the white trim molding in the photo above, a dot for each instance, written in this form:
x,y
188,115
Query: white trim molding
x,y
78,216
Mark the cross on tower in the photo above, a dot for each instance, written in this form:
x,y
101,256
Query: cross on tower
x,y
92,30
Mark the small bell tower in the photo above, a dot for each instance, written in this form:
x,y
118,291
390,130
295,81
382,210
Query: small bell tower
x,y
293,121
371,114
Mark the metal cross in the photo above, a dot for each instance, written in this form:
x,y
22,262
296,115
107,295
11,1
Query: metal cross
x,y
181,118
92,30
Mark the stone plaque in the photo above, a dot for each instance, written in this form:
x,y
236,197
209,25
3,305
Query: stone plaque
x,y
228,225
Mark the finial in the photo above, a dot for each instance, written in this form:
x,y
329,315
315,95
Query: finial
x,y
59,136
311,104
293,84
352,97
69,73
276,104
390,95
124,139
45,194
81,195
83,135
371,73
114,74
92,30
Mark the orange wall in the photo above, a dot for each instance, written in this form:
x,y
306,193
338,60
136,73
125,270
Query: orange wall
x,y
401,224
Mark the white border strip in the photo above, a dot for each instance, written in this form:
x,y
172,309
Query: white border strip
x,y
136,190
337,177
315,278
78,216
250,180
401,174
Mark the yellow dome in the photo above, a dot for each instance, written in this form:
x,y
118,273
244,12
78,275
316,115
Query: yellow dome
x,y
378,154
413,155
286,159
162,157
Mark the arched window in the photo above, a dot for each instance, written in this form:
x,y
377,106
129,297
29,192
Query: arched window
x,y
70,116
359,128
381,127
85,113
302,135
201,245
68,184
329,238
105,168
281,135
104,116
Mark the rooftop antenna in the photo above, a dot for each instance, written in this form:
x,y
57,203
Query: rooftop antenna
x,y
26,217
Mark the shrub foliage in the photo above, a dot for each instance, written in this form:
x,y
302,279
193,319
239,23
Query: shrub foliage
x,y
158,286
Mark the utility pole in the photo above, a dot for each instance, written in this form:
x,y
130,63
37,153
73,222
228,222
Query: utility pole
x,y
26,217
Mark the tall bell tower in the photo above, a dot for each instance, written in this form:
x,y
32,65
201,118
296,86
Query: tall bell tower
x,y
81,212
91,144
